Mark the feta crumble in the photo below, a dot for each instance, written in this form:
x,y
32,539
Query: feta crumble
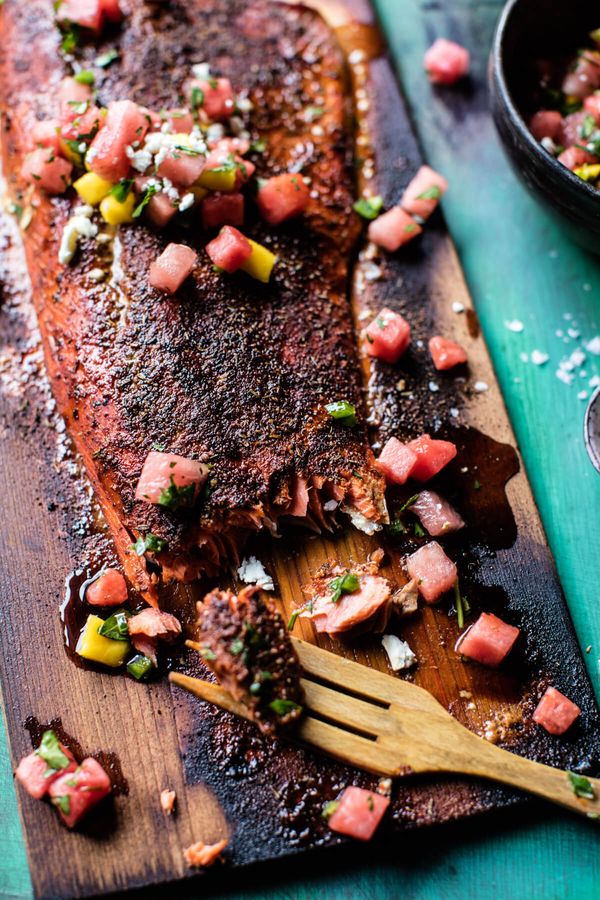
x,y
78,226
252,571
399,653
458,307
480,387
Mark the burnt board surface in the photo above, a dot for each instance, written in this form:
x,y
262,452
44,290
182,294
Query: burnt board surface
x,y
267,796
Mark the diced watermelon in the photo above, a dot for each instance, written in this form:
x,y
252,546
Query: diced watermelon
x,y
222,209
282,197
434,572
160,208
592,107
388,336
47,170
162,470
110,589
396,461
574,157
446,354
107,156
82,126
571,128
183,169
555,712
393,229
112,10
85,13
585,77
173,266
446,62
488,640
547,123
75,793
432,456
36,775
181,120
359,813
423,193
214,97
245,171
73,97
229,250
45,134
437,516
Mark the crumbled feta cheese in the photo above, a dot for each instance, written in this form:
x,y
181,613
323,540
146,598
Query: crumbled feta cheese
x,y
458,307
186,201
399,653
367,526
594,345
538,358
480,387
549,145
79,225
514,325
252,571
96,274
201,70
454,412
215,132
433,387
141,160
244,104
330,505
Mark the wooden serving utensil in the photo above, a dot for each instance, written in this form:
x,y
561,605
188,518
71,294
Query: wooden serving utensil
x,y
390,727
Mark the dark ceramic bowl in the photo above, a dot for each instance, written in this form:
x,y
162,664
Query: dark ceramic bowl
x,y
529,30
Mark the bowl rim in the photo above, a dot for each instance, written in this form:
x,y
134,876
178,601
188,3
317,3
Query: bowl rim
x,y
545,158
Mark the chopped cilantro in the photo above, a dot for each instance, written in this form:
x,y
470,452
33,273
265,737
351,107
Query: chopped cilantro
x,y
63,803
151,190
343,412
432,193
175,497
410,227
461,605
139,666
86,76
236,646
121,190
50,751
396,527
70,38
476,484
368,207
115,627
409,502
329,808
105,59
283,707
581,786
151,543
207,653
347,583
313,112
370,803
197,98
258,146
418,530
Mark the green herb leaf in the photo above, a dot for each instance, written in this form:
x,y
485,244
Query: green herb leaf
x,y
581,786
151,190
343,412
236,646
347,583
140,666
115,627
151,543
368,207
294,617
105,59
258,146
461,605
175,497
432,193
70,38
395,528
86,76
370,803
313,112
50,751
121,190
329,809
207,654
283,707
197,98
409,502
410,228
476,485
418,530
63,803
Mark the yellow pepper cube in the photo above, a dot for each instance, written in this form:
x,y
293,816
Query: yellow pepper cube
x,y
100,649
91,188
116,213
260,263
222,179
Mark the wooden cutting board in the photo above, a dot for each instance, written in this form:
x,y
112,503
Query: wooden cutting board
x,y
267,796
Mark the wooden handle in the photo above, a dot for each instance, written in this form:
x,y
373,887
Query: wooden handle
x,y
489,761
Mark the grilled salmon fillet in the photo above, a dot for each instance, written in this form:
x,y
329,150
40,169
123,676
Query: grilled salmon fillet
x,y
229,371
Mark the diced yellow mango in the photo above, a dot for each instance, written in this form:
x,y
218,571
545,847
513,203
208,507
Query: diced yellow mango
x,y
100,649
260,263
116,213
91,188
218,179
588,172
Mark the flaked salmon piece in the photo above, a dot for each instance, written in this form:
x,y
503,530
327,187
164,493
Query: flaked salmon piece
x,y
201,855
227,373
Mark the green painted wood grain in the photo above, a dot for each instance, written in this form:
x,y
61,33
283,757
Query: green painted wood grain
x,y
518,265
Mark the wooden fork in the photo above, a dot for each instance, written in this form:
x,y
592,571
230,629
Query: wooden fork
x,y
391,727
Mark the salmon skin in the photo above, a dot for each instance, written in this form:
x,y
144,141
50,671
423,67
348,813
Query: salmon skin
x,y
229,371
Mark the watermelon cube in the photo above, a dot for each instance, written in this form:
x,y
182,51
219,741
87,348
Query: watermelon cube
x,y
81,126
359,813
445,353
423,193
393,229
222,209
182,168
571,128
488,640
547,123
434,572
45,134
181,120
162,470
592,107
47,170
396,461
213,97
107,156
555,712
432,456
85,13
388,336
230,249
282,197
446,62
109,589
160,209
112,10
75,793
574,157
436,515
71,96
173,266
584,78
36,775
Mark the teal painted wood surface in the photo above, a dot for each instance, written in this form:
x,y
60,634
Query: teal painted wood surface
x,y
518,266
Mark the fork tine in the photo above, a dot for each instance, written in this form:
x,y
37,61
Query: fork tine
x,y
349,748
206,690
345,710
